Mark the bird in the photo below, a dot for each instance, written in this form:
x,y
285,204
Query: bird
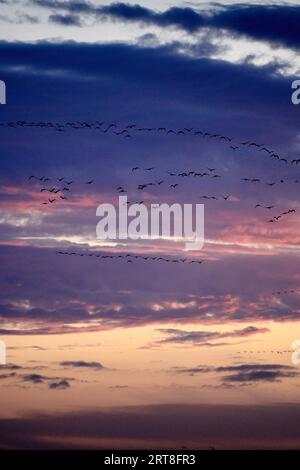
x,y
173,185
89,182
264,207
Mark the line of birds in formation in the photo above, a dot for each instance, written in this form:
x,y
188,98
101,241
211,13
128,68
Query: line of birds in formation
x,y
275,218
278,351
211,174
128,257
286,291
127,130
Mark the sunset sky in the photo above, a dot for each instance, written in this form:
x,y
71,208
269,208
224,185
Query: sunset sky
x,y
105,353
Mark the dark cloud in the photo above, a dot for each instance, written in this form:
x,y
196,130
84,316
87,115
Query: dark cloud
x,y
201,337
7,376
265,22
262,22
54,383
10,367
73,6
61,385
252,373
142,75
65,20
34,378
275,23
185,18
159,426
246,374
84,364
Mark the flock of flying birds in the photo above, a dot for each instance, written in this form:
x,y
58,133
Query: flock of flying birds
x,y
129,130
264,351
60,187
210,174
286,291
57,190
130,257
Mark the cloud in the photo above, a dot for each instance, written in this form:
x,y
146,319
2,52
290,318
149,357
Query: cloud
x,y
65,20
84,364
20,19
158,426
7,376
245,374
54,383
260,22
60,300
119,386
201,337
34,378
73,6
10,367
252,373
185,18
61,385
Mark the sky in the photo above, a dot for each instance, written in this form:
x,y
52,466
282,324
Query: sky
x,y
141,346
